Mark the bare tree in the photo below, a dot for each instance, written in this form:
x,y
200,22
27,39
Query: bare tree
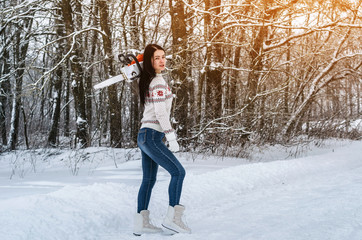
x,y
20,49
76,77
264,71
179,58
5,76
114,103
135,44
57,82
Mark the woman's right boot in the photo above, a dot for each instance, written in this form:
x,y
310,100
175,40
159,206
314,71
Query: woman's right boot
x,y
142,224
173,220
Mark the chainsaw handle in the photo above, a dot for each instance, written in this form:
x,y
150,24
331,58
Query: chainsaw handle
x,y
125,60
135,59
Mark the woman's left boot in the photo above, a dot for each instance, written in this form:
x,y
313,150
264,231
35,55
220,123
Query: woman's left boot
x,y
173,220
142,224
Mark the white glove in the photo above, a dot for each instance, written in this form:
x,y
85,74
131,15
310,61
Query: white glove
x,y
173,146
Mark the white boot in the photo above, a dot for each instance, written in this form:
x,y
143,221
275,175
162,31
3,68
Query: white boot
x,y
173,220
142,224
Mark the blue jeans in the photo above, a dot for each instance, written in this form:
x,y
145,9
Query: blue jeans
x,y
154,153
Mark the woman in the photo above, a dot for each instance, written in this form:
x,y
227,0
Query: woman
x,y
156,97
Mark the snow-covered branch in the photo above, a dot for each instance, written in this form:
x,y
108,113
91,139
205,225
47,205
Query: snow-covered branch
x,y
66,56
232,116
319,82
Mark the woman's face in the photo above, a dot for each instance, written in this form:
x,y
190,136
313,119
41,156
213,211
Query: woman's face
x,y
158,61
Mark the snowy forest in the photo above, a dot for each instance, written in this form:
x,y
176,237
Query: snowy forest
x,y
243,72
266,108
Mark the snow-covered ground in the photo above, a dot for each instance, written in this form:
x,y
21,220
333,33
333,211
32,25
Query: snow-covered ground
x,y
91,194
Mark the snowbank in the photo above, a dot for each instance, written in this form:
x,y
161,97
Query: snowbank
x,y
313,197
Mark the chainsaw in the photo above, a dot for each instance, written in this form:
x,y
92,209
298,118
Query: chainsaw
x,y
130,71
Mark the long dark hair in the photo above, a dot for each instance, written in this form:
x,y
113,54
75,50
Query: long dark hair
x,y
148,72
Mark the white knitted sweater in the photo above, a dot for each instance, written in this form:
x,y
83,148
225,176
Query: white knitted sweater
x,y
158,103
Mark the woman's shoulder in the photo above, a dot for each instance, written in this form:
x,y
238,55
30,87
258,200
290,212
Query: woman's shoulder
x,y
158,80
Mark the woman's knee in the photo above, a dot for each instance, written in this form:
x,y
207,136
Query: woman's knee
x,y
180,172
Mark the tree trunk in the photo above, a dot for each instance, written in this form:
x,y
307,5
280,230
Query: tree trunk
x,y
179,56
4,92
135,44
25,124
20,53
288,71
232,96
256,66
54,128
215,66
76,78
114,103
67,106
57,83
202,85
14,125
89,74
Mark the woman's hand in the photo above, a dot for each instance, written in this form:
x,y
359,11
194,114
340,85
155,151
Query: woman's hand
x,y
173,146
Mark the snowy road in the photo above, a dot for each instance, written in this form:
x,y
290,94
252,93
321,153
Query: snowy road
x,y
317,197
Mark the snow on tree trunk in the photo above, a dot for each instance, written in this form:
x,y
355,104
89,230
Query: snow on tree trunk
x,y
76,77
114,103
